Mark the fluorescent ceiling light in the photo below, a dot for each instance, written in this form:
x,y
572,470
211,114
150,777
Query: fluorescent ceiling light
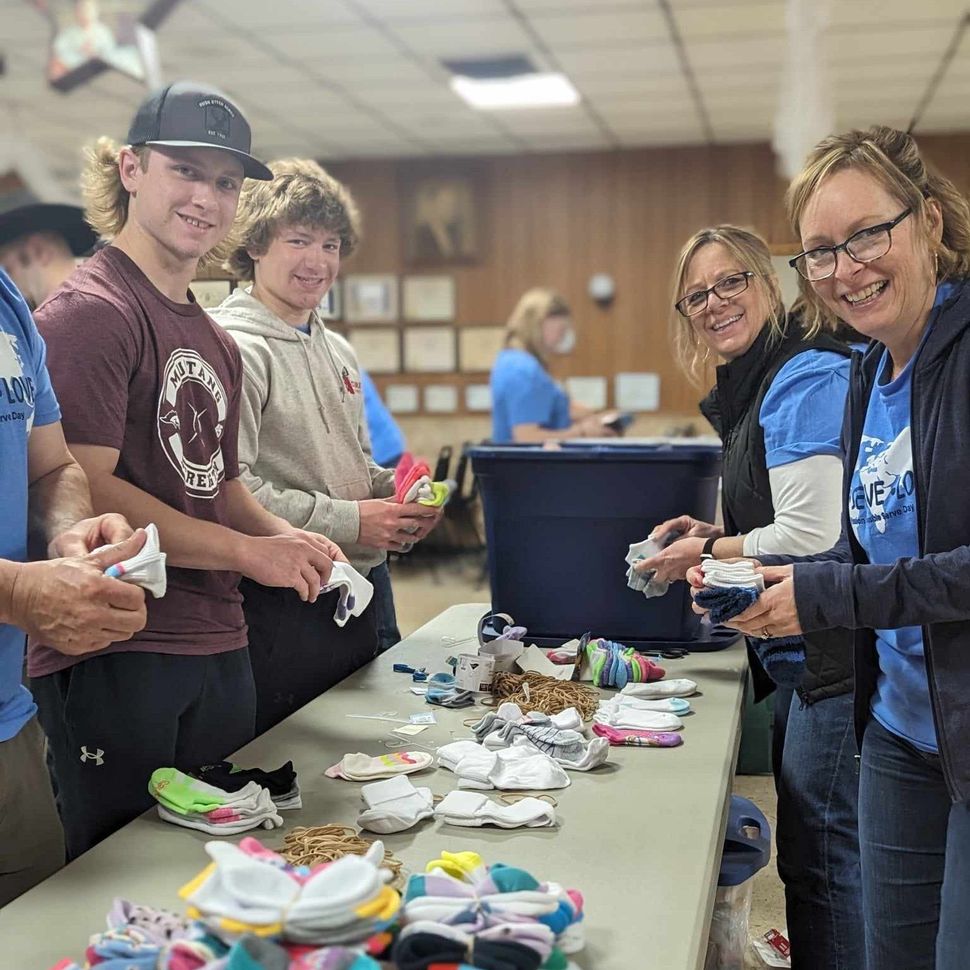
x,y
521,91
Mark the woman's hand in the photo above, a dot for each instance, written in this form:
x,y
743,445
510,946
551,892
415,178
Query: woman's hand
x,y
672,563
774,613
689,528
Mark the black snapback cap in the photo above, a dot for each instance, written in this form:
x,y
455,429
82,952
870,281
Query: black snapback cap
x,y
190,115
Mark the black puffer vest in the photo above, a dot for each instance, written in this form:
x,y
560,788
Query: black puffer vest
x,y
734,407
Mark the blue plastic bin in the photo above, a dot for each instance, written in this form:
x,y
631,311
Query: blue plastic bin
x,y
559,523
745,852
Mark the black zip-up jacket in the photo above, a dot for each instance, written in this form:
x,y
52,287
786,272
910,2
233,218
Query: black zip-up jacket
x,y
841,588
734,409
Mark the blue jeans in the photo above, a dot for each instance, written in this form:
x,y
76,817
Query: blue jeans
x,y
387,632
817,836
915,858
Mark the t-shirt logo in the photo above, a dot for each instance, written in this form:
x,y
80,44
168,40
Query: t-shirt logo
x,y
884,485
16,388
191,419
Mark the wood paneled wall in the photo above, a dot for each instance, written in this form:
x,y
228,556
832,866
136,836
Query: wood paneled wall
x,y
557,219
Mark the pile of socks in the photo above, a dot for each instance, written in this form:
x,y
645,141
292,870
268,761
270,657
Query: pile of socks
x,y
394,805
412,483
461,912
519,768
281,783
729,589
443,690
356,592
474,809
194,804
645,582
249,889
363,767
625,712
555,735
614,665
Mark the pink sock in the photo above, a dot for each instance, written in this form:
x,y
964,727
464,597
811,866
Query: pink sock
x,y
223,815
636,737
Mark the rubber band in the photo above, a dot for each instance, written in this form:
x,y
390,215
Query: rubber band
x,y
511,797
310,846
547,695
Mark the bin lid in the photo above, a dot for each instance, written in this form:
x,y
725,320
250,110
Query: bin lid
x,y
576,451
745,851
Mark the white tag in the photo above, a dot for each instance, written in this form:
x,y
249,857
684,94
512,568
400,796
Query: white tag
x,y
423,719
420,691
410,729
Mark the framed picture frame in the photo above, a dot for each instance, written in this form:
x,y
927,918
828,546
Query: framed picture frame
x,y
429,299
401,398
378,348
441,221
429,350
371,298
331,306
478,348
440,398
478,397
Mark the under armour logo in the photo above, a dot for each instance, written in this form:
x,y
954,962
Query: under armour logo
x,y
96,756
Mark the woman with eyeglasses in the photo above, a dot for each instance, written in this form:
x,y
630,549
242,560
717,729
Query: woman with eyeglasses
x,y
887,248
777,406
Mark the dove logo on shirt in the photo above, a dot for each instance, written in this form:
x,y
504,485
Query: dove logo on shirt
x,y
16,388
884,483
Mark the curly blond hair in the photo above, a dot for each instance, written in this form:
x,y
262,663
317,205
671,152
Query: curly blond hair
x,y
106,198
751,253
302,193
893,159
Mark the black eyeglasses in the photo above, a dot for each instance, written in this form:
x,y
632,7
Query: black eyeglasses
x,y
725,288
863,246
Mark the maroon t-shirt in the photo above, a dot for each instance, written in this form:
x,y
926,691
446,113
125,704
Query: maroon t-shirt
x,y
161,382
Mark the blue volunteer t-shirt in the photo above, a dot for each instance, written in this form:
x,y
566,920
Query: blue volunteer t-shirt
x,y
801,415
882,512
26,400
386,438
524,393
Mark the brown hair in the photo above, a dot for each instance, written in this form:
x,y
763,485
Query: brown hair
x,y
892,158
525,324
302,193
752,254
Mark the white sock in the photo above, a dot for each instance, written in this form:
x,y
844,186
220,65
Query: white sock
x,y
449,755
394,805
526,769
725,574
661,688
471,809
664,705
269,820
568,719
639,720
356,591
146,568
362,767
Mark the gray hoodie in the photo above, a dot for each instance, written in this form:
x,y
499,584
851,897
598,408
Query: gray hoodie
x,y
304,451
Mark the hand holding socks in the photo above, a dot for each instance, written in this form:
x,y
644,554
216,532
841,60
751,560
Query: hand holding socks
x,y
729,589
356,592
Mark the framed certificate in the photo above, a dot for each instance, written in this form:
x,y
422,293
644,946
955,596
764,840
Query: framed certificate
x,y
378,348
371,298
429,350
478,347
429,299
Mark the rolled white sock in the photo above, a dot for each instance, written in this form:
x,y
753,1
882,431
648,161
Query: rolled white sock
x,y
640,720
661,688
471,809
394,805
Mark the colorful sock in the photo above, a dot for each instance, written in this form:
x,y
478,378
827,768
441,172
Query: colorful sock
x,y
637,738
394,805
444,692
201,824
146,568
362,767
569,748
252,953
440,494
183,794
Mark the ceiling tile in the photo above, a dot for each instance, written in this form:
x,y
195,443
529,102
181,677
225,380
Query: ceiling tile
x,y
884,44
873,13
561,121
606,7
394,11
256,15
638,60
479,37
336,44
564,143
592,28
729,20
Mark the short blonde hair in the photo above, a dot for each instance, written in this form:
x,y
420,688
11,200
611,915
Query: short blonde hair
x,y
525,323
892,158
301,193
106,200
752,254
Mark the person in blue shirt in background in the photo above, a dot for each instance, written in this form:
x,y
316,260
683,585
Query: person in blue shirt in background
x,y
387,445
777,405
527,404
65,601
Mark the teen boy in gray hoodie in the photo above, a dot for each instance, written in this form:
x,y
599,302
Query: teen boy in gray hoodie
x,y
303,446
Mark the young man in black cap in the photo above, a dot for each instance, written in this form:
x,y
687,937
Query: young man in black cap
x,y
150,391
39,243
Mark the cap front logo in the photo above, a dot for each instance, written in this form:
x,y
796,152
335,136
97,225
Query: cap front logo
x,y
218,118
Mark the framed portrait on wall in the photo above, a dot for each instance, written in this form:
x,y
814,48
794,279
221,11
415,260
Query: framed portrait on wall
x,y
441,220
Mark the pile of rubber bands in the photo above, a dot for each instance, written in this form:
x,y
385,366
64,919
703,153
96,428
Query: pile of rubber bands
x,y
547,695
